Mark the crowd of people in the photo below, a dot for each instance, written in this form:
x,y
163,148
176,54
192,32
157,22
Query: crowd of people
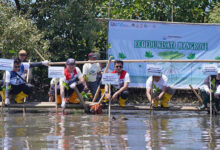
x,y
157,91
14,82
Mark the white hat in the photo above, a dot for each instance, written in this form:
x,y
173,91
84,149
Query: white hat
x,y
154,70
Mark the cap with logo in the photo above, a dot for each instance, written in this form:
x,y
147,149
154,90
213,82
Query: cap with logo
x,y
70,61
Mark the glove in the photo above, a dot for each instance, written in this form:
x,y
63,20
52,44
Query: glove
x,y
45,63
63,105
7,101
73,85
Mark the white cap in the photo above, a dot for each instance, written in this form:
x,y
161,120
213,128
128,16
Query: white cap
x,y
154,70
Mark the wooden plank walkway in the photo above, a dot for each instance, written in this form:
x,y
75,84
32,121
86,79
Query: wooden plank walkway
x,y
116,106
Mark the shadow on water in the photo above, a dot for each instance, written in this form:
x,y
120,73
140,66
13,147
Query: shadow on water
x,y
46,129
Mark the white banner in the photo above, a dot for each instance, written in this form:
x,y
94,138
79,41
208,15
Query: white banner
x,y
6,64
55,72
139,40
210,69
110,78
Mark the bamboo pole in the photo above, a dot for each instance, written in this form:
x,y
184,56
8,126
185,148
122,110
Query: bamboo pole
x,y
109,105
197,95
56,96
210,84
81,99
144,60
39,54
151,94
3,98
27,79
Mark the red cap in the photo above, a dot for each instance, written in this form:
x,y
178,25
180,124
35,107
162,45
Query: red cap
x,y
91,55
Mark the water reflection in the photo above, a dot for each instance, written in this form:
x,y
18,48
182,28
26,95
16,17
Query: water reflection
x,y
86,132
158,134
160,130
211,131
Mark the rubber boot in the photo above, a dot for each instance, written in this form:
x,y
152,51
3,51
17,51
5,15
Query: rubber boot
x,y
1,93
19,97
59,100
74,98
103,92
155,103
122,102
165,100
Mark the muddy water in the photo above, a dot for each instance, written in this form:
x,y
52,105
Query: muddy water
x,y
130,130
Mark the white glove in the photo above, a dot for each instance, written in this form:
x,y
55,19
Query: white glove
x,y
7,101
45,62
73,85
63,105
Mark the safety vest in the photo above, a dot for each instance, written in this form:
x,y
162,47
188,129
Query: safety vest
x,y
121,79
70,78
214,83
15,79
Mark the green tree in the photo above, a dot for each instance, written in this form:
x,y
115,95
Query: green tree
x,y
214,16
17,32
71,27
182,11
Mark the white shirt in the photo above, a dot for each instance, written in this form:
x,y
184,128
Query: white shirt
x,y
79,75
123,81
91,70
162,82
217,90
127,78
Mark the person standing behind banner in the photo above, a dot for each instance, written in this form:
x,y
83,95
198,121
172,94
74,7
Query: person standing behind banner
x,y
15,83
90,71
73,78
121,90
205,93
22,55
159,90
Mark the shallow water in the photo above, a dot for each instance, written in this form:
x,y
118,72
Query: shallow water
x,y
131,130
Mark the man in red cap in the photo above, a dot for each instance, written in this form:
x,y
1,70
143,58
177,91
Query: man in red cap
x,y
90,71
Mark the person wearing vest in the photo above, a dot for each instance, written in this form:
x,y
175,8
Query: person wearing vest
x,y
90,72
73,78
15,83
215,87
121,90
157,85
